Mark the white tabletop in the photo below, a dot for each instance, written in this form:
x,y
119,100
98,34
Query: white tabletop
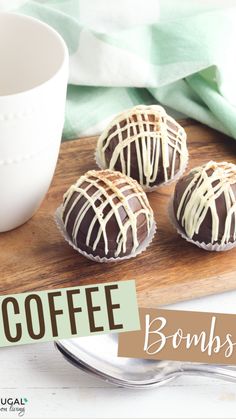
x,y
55,389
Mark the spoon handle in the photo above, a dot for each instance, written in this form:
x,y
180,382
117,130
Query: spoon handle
x,y
224,372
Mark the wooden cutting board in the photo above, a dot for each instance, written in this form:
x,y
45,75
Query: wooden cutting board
x,y
36,257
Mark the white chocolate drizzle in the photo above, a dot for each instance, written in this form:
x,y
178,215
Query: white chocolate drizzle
x,y
209,182
147,127
109,189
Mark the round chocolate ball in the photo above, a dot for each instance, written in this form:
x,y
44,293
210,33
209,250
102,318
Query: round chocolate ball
x,y
205,204
144,143
107,214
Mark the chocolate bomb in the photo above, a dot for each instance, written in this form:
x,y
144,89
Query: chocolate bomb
x,y
205,203
107,214
144,143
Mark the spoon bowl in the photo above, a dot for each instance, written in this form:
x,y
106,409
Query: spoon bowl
x,y
98,355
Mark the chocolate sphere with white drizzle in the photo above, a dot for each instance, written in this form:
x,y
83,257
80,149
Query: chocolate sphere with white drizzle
x,y
144,143
107,214
205,203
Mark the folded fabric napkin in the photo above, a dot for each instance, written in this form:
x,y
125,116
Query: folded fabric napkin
x,y
179,53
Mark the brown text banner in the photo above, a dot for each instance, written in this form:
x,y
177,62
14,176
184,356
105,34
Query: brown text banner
x,y
182,336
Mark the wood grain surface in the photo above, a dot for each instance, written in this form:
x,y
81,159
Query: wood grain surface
x,y
36,257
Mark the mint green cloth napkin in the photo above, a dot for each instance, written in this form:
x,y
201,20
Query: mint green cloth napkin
x,y
179,53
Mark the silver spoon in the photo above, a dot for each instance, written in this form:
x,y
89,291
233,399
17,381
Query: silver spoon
x,y
98,355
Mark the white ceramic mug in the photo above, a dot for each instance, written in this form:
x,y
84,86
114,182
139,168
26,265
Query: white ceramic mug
x,y
33,80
